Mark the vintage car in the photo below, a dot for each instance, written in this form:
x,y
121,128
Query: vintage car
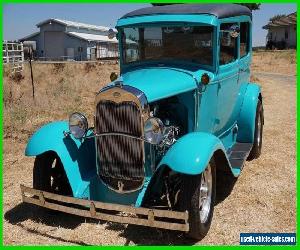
x,y
180,118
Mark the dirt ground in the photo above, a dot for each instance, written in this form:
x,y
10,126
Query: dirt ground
x,y
262,200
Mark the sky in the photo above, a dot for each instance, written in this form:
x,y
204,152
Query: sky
x,y
19,20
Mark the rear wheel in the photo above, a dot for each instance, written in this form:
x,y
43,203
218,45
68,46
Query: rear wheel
x,y
198,198
258,133
49,174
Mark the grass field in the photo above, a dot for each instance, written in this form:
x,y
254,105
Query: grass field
x,y
262,200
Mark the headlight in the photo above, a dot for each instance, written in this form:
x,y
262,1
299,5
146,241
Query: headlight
x,y
153,130
78,125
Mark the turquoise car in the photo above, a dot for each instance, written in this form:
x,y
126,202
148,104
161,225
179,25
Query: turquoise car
x,y
169,133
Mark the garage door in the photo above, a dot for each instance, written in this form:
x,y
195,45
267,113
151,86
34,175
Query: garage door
x,y
54,44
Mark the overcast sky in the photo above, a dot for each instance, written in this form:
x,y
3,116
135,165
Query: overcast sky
x,y
20,20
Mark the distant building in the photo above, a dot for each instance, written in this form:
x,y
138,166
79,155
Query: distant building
x,y
66,40
282,32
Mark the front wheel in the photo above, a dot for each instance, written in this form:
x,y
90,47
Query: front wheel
x,y
258,133
198,198
49,174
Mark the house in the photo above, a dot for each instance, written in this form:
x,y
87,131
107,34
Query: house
x,y
282,32
67,40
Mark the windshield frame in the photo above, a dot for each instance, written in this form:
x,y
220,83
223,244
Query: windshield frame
x,y
166,62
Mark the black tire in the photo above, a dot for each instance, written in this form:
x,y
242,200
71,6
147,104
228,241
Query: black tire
x,y
189,200
49,174
258,133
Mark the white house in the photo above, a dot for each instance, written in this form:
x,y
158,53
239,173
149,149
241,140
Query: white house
x,y
67,40
282,32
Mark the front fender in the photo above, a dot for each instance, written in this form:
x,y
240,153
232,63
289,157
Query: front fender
x,y
192,153
246,120
78,158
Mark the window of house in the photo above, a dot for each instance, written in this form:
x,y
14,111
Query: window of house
x,y
244,39
228,44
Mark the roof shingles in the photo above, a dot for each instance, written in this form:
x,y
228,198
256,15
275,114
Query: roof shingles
x,y
290,19
74,24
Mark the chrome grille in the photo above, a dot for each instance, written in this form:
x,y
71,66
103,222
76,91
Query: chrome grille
x,y
119,157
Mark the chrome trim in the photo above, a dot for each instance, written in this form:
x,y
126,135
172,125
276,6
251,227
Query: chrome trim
x,y
119,134
196,114
127,93
223,79
138,93
119,93
205,194
122,192
89,208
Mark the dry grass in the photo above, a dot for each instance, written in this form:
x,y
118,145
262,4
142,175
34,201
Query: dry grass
x,y
280,61
262,200
73,85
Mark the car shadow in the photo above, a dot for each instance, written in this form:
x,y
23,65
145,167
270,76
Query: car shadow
x,y
24,211
138,235
225,185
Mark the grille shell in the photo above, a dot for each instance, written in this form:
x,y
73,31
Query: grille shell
x,y
120,158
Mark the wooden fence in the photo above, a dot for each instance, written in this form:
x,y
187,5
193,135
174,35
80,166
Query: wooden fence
x,y
13,54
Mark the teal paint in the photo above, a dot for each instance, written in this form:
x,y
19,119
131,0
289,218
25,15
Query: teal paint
x,y
192,153
167,20
77,157
246,119
228,100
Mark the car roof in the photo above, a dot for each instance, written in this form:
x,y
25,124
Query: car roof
x,y
218,10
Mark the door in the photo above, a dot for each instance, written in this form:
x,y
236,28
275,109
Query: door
x,y
54,44
70,54
228,79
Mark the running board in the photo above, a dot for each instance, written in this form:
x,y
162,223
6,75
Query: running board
x,y
166,219
238,154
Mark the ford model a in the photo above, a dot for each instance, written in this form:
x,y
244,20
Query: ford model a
x,y
181,116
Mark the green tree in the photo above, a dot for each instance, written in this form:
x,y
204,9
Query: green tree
x,y
251,6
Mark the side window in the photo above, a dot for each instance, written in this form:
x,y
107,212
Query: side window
x,y
228,44
244,39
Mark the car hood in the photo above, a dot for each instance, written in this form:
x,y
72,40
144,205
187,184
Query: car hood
x,y
158,83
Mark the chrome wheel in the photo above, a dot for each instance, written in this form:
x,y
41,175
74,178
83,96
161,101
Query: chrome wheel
x,y
205,194
259,127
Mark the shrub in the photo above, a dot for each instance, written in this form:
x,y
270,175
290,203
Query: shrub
x,y
17,77
88,67
58,67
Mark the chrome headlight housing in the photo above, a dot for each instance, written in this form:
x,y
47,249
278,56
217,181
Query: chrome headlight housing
x,y
78,125
154,130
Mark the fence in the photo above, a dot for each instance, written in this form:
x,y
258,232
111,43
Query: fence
x,y
13,54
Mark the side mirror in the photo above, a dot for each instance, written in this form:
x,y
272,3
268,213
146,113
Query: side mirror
x,y
234,31
113,76
111,34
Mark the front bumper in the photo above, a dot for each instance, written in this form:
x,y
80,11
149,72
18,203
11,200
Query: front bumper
x,y
165,219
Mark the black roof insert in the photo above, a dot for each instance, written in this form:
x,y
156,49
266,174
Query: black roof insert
x,y
218,10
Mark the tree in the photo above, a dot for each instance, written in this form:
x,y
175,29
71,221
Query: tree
x,y
251,6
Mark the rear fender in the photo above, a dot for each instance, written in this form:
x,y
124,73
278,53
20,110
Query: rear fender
x,y
246,120
192,153
77,157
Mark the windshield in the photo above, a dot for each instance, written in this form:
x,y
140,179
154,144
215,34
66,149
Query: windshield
x,y
190,43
